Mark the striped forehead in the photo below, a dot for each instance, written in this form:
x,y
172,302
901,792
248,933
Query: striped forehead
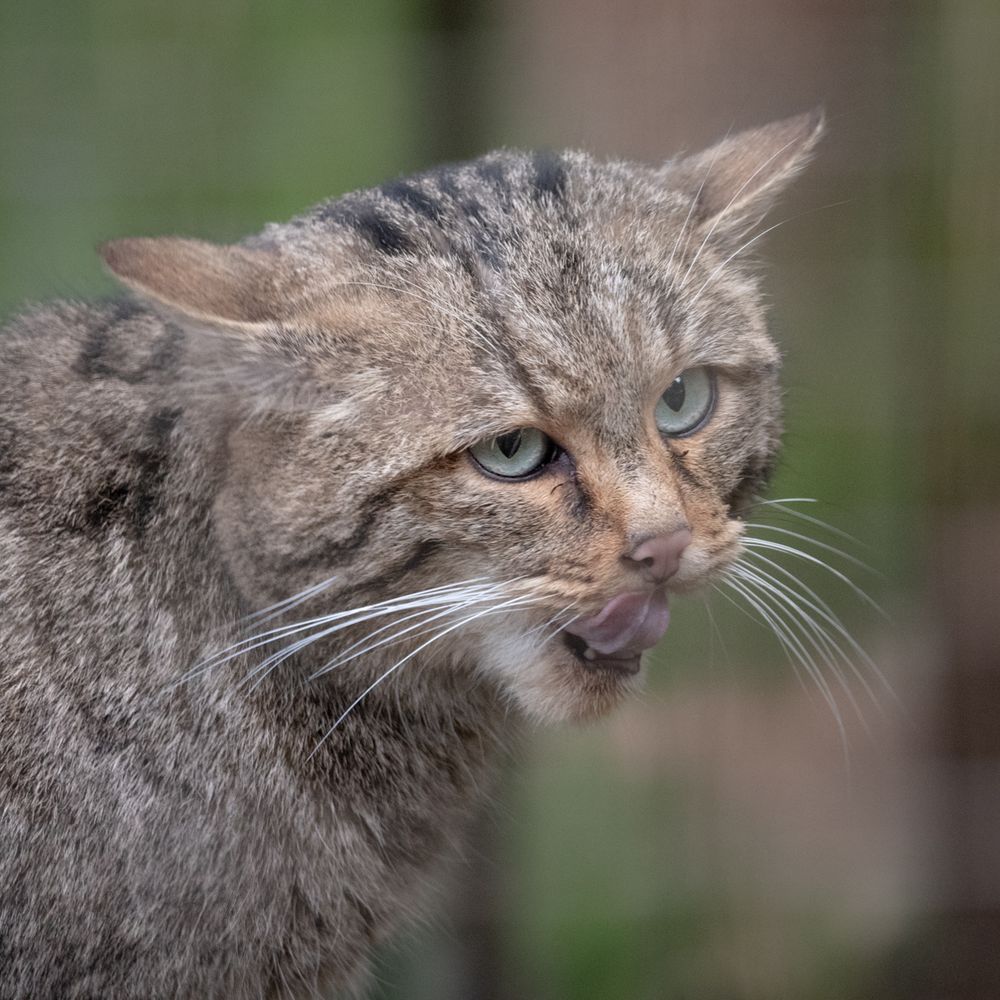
x,y
598,382
477,212
582,332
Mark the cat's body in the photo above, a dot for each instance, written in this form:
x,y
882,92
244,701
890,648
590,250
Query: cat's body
x,y
141,814
297,410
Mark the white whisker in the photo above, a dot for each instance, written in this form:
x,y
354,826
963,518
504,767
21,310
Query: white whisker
x,y
426,616
782,500
513,602
281,607
558,629
809,630
281,655
764,620
548,622
406,287
766,543
826,526
795,651
823,609
431,597
358,648
813,541
715,628
694,203
781,627
749,243
732,201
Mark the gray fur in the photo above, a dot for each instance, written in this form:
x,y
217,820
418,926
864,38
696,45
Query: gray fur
x,y
262,417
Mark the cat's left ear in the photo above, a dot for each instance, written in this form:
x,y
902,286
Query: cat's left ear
x,y
733,183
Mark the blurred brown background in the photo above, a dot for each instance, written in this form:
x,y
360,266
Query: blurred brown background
x,y
711,840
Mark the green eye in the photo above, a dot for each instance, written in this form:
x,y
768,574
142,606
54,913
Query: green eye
x,y
516,454
687,402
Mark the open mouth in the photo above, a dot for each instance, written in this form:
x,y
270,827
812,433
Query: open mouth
x,y
614,638
624,662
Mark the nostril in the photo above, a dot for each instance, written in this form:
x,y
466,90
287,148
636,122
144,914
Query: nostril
x,y
659,556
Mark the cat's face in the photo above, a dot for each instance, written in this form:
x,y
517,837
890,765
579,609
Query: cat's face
x,y
541,373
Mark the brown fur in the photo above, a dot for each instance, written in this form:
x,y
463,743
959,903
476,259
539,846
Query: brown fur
x,y
298,407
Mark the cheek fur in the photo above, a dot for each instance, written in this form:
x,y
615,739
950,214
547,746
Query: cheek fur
x,y
521,526
734,455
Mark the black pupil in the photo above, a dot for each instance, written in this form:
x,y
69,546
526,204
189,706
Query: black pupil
x,y
674,396
509,443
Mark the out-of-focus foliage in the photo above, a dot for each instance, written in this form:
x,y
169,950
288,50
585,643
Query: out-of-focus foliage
x,y
203,119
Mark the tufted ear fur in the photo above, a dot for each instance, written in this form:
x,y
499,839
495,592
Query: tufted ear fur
x,y
214,284
734,182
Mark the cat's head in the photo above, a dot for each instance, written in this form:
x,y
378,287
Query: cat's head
x,y
541,373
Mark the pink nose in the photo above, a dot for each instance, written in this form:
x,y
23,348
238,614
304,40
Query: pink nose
x,y
659,556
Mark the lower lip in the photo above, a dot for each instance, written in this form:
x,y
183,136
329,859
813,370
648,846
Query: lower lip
x,y
625,665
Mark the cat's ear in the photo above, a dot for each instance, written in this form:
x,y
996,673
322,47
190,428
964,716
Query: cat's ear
x,y
219,285
734,182
232,297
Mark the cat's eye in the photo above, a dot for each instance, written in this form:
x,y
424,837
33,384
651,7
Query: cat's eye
x,y
687,402
517,454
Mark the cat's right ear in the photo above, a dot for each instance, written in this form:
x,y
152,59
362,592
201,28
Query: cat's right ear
x,y
232,297
218,285
732,184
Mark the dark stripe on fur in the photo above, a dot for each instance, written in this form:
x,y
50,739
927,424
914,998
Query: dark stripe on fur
x,y
500,333
167,353
418,557
431,208
685,472
494,176
493,173
404,193
90,362
527,382
8,442
385,235
135,499
549,182
106,505
385,581
361,216
333,553
445,179
477,232
164,357
483,236
153,461
753,482
583,503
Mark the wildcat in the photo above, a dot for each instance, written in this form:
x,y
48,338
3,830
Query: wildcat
x,y
442,449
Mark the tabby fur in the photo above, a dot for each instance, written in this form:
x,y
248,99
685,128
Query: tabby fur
x,y
251,420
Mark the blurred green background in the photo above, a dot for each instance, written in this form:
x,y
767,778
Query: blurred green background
x,y
710,840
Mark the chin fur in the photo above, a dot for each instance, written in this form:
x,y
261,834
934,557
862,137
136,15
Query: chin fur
x,y
552,684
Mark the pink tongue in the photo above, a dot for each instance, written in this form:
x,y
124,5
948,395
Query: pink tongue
x,y
628,622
